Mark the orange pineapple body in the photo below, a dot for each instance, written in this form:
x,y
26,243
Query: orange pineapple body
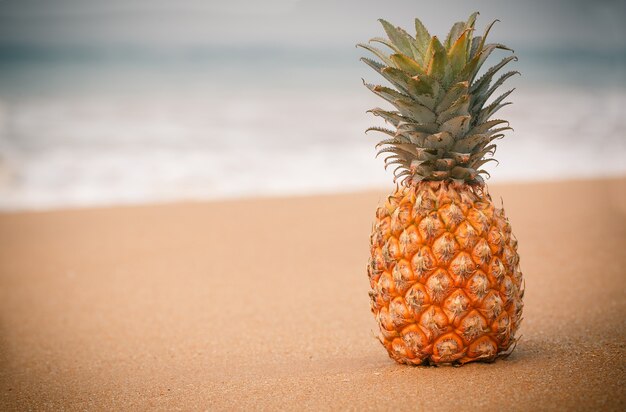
x,y
444,274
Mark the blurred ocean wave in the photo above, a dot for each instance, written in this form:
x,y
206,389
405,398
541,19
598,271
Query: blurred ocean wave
x,y
79,127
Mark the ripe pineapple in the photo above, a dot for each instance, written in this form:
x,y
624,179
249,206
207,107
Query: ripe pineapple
x,y
444,269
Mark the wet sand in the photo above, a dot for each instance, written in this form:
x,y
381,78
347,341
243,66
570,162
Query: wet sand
x,y
262,304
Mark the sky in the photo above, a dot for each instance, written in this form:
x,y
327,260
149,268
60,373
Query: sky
x,y
540,24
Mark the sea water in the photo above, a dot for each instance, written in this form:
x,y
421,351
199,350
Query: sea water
x,y
80,128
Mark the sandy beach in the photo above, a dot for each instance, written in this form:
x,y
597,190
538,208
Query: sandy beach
x,y
262,304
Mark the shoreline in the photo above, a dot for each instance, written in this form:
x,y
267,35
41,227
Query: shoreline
x,y
616,178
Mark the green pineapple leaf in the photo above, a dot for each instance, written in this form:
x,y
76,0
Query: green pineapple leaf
x,y
459,108
463,173
398,37
493,107
485,126
397,77
437,59
457,54
482,96
472,67
469,25
418,54
395,140
422,37
407,126
481,162
467,144
406,64
400,153
490,110
441,140
415,111
484,36
386,131
456,126
391,117
414,137
442,98
377,52
471,21
460,158
452,95
385,42
386,93
454,34
486,78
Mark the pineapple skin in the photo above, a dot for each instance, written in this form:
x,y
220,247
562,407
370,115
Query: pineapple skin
x,y
446,287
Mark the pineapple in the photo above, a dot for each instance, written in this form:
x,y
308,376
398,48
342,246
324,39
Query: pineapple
x,y
446,287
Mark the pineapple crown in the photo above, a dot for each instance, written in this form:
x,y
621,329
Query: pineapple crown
x,y
442,120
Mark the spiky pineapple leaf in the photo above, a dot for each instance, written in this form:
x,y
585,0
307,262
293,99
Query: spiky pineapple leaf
x,y
437,58
469,25
459,108
404,154
424,154
441,140
384,130
454,33
407,126
485,126
463,173
468,143
406,64
385,42
394,141
377,66
486,78
452,95
483,150
482,96
417,138
398,37
415,111
500,98
499,129
418,55
476,40
456,126
392,117
457,53
427,85
422,36
489,111
377,52
397,77
481,162
471,21
460,158
386,93
472,67
483,38
400,79
493,107
422,96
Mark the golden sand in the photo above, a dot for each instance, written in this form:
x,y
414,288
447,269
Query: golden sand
x,y
262,304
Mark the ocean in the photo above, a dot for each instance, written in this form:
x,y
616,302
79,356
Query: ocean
x,y
80,127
